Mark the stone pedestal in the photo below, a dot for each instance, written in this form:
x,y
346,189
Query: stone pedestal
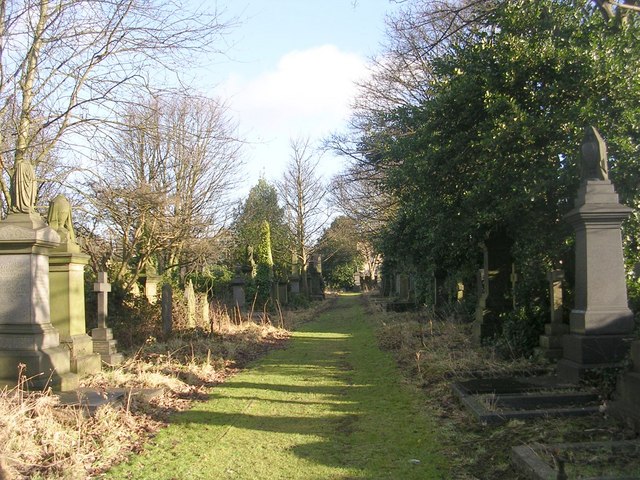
x,y
66,282
106,346
26,333
601,322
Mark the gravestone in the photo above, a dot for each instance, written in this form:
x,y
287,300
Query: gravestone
x,y
282,292
402,286
294,278
190,299
66,290
600,322
203,303
551,341
103,341
314,278
27,335
495,289
167,309
237,290
151,282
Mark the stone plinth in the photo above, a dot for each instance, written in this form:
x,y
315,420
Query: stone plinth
x,y
66,285
601,322
27,335
105,345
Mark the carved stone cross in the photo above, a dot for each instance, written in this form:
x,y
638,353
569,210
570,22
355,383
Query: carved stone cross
x,y
102,287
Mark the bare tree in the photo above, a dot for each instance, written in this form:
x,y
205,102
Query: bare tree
x,y
164,179
66,64
303,193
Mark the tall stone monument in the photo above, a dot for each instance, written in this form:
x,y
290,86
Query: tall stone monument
x,y
600,322
66,285
27,335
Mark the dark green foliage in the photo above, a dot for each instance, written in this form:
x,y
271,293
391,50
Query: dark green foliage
x,y
262,205
341,258
214,280
495,146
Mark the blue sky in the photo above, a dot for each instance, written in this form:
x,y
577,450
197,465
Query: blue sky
x,y
290,73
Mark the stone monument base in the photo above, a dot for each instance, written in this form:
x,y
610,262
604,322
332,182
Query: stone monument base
x,y
47,366
105,345
551,341
83,359
584,353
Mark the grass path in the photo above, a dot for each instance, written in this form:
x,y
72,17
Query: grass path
x,y
330,406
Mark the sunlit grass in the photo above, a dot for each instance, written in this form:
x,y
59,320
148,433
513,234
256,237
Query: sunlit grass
x,y
330,406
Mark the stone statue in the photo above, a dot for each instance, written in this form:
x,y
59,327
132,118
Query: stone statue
x,y
594,156
23,188
59,218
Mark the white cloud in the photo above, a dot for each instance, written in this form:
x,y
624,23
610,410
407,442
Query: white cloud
x,y
308,92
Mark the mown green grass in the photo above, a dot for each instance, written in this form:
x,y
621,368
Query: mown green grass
x,y
330,406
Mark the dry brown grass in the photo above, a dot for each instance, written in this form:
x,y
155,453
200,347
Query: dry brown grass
x,y
41,439
432,352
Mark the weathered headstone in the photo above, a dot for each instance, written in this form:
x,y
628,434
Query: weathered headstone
x,y
402,282
237,290
314,278
551,341
600,322
66,290
167,309
203,304
27,335
514,279
283,297
151,282
294,278
190,301
102,336
495,296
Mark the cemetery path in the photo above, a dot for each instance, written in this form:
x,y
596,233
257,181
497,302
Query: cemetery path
x,y
330,406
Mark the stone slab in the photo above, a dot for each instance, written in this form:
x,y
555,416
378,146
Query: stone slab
x,y
525,459
91,399
596,349
497,400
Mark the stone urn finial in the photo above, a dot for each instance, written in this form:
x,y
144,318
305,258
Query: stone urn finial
x,y
593,164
